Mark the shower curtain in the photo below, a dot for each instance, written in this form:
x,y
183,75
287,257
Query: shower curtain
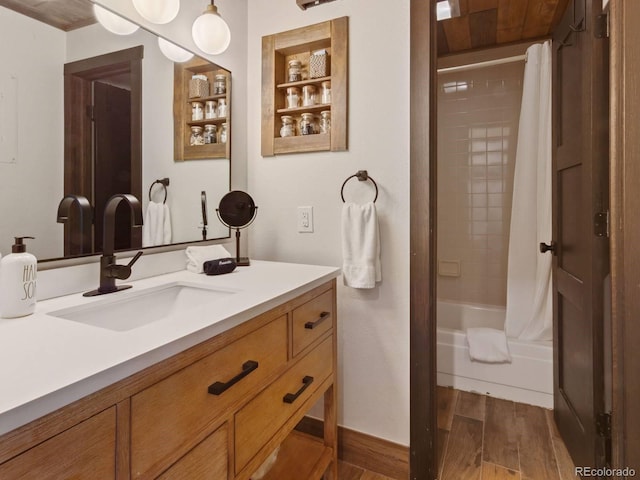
x,y
529,296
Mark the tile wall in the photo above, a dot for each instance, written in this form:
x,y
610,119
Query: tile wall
x,y
478,114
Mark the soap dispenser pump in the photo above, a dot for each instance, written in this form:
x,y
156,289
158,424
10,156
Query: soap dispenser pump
x,y
18,273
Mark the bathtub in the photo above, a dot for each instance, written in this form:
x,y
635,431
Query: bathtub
x,y
528,379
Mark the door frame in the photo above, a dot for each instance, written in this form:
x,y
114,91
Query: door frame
x,y
625,235
625,231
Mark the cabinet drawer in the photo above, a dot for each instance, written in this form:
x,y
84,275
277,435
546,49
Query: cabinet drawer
x,y
208,460
166,417
312,320
87,450
261,418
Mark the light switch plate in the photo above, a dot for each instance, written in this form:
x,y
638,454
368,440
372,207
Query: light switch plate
x,y
305,219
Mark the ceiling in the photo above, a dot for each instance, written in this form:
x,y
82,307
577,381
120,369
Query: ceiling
x,y
63,14
488,23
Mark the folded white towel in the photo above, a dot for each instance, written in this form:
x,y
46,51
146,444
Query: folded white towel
x,y
488,345
196,256
360,246
156,229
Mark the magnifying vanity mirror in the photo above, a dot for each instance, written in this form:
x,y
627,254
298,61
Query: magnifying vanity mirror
x,y
86,114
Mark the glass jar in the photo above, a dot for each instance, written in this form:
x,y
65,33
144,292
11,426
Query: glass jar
x,y
326,93
210,134
220,84
288,128
197,111
197,138
224,134
307,126
222,108
325,121
293,97
295,70
210,108
308,95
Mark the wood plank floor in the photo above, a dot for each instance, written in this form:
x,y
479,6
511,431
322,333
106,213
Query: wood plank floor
x,y
485,438
346,471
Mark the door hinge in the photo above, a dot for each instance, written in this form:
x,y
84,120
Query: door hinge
x,y
603,425
601,224
601,29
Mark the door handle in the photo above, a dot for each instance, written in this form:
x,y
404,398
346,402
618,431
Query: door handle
x,y
312,325
219,388
292,397
548,248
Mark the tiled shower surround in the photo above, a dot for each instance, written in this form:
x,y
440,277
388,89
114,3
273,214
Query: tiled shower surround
x,y
478,114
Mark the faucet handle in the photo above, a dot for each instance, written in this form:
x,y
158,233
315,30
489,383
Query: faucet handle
x,y
134,259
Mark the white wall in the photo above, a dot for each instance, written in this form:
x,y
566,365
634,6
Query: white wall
x,y
28,184
188,178
374,325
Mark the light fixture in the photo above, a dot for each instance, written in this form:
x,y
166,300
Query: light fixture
x,y
447,9
210,32
173,52
157,11
112,22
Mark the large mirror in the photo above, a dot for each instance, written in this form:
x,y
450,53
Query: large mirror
x,y
39,166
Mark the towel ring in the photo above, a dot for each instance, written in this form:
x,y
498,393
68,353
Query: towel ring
x,y
165,183
362,176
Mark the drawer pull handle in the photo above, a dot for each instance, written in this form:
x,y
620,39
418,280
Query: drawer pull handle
x,y
292,397
219,387
312,325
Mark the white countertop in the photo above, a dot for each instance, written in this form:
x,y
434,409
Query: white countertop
x,y
48,362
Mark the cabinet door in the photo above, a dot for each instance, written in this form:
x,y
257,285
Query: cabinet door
x,y
207,461
87,450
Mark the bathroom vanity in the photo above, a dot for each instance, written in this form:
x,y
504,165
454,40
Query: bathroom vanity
x,y
202,389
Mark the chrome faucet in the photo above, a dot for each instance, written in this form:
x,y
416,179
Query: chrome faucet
x,y
85,220
109,269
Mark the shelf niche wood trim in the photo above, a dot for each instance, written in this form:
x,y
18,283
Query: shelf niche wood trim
x,y
332,35
182,122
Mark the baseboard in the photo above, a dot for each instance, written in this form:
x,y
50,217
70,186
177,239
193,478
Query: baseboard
x,y
364,451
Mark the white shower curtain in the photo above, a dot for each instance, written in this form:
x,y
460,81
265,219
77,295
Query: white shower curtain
x,y
529,296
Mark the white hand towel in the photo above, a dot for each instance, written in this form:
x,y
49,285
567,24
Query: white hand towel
x,y
156,229
360,246
488,345
196,256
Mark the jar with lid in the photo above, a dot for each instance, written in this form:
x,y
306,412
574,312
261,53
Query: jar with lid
x,y
288,128
308,95
293,97
220,84
295,70
222,108
307,126
197,138
325,94
325,121
210,109
224,134
210,134
197,111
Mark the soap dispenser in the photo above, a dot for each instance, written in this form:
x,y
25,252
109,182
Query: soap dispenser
x,y
18,272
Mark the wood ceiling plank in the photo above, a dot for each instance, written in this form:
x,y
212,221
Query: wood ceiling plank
x,y
539,18
481,5
483,28
511,18
62,14
458,34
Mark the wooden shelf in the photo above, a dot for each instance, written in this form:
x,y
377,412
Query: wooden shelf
x,y
182,122
301,456
277,50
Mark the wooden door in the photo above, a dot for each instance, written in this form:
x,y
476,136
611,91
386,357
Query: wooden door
x,y
580,189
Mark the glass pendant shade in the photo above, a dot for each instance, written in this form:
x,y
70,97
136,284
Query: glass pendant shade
x,y
173,52
210,32
157,11
112,22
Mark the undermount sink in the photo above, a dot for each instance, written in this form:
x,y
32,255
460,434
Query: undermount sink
x,y
132,309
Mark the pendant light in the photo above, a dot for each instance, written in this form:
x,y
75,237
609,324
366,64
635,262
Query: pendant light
x,y
173,52
157,11
112,22
210,32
